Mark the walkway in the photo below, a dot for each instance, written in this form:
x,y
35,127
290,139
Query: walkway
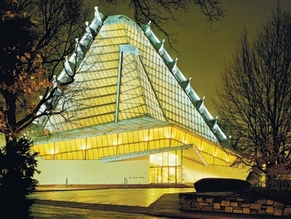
x,y
147,203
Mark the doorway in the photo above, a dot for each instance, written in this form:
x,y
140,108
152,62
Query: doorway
x,y
166,167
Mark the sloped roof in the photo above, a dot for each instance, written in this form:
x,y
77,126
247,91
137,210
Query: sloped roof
x,y
129,99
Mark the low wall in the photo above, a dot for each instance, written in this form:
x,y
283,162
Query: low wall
x,y
231,203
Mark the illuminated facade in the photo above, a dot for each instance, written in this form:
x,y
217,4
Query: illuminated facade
x,y
130,115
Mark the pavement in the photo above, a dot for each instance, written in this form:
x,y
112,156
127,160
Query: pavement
x,y
130,202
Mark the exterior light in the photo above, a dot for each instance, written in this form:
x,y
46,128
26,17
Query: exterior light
x,y
184,141
147,138
52,151
167,135
215,153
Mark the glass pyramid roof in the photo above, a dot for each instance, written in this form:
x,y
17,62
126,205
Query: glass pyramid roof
x,y
128,99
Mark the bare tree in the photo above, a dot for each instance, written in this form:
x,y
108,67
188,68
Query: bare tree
x,y
145,10
160,12
36,35
255,97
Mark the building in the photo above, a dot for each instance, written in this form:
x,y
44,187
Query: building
x,y
130,116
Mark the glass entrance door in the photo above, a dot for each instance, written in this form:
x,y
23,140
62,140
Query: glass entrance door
x,y
165,168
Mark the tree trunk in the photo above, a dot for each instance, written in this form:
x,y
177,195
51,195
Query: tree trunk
x,y
10,114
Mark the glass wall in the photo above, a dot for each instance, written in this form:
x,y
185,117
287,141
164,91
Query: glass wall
x,y
166,167
125,103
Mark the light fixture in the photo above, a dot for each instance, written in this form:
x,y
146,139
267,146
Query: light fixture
x,y
84,147
52,151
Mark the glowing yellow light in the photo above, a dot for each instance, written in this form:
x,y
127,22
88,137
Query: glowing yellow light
x,y
146,138
172,159
84,147
184,141
215,153
116,142
168,135
52,151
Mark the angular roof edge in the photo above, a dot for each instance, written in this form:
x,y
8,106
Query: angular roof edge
x,y
82,46
185,84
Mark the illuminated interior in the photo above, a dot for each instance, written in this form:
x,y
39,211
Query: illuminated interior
x,y
166,167
124,145
129,99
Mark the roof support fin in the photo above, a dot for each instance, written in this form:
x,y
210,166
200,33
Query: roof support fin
x,y
186,85
214,125
199,104
97,21
68,67
146,28
160,47
173,66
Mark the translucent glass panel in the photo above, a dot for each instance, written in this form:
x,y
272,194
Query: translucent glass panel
x,y
166,159
139,141
131,99
137,98
96,81
147,88
166,167
174,101
166,174
91,99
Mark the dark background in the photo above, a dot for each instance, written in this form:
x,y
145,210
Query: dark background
x,y
202,51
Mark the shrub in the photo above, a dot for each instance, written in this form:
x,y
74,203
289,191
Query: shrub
x,y
220,185
17,168
282,196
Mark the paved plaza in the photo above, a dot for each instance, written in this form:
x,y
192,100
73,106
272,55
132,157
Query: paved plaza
x,y
142,197
148,203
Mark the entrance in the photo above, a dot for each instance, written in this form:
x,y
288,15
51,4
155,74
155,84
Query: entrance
x,y
166,167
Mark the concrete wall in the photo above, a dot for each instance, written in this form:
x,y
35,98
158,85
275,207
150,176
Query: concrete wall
x,y
92,172
135,171
194,171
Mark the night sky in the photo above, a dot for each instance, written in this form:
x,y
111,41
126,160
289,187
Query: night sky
x,y
204,52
